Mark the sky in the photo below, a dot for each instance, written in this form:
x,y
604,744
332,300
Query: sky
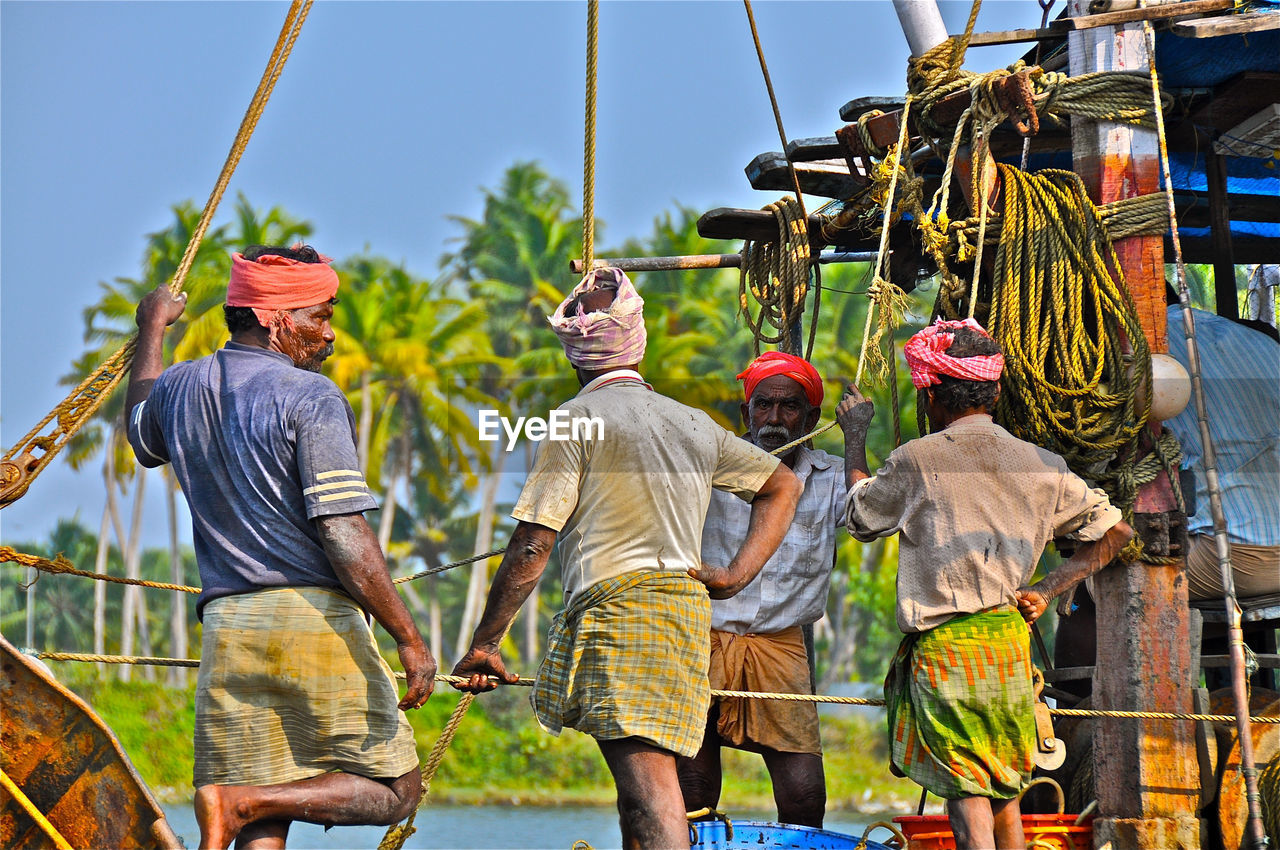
x,y
389,118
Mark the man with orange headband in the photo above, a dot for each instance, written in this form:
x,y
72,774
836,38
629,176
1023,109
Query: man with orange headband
x,y
975,508
757,636
296,712
626,659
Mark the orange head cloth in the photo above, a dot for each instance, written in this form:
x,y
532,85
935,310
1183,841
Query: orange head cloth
x,y
777,363
273,283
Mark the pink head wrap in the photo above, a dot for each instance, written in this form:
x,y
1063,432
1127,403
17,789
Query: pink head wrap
x,y
778,363
603,339
927,357
272,284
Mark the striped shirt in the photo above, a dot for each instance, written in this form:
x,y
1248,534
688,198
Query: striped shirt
x,y
260,448
791,590
1241,375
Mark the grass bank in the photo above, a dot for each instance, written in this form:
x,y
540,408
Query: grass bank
x,y
500,755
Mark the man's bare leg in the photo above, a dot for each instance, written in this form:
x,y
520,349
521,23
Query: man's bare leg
x,y
263,835
650,805
333,799
799,787
700,776
972,822
1008,824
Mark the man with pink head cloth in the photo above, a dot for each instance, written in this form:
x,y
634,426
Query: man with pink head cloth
x,y
297,715
758,640
627,658
974,508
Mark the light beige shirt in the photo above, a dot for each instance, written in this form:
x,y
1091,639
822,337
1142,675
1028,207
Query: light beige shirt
x,y
635,497
974,507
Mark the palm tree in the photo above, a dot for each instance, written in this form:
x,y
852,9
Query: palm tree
x,y
515,259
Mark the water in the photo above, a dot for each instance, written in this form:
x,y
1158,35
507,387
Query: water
x,y
483,828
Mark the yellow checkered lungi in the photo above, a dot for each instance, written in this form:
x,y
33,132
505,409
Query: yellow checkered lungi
x,y
291,686
629,659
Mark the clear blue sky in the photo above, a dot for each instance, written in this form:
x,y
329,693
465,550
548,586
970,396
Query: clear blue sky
x,y
389,117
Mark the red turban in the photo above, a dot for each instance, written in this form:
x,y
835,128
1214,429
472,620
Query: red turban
x,y
271,283
927,357
776,363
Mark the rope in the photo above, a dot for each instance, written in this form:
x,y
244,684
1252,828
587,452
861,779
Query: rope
x,y
589,140
60,565
776,274
883,293
1269,789
34,813
1062,318
85,400
769,695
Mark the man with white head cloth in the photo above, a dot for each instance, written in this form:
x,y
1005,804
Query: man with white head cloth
x,y
627,657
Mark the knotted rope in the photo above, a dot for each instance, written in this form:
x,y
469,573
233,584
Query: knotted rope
x,y
84,401
776,275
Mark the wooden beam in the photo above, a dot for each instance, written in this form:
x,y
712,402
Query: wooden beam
x,y
1227,25
859,105
1145,771
1224,265
814,149
1244,249
827,178
1062,26
732,223
707,261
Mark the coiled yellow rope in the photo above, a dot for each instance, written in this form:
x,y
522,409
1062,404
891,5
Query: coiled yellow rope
x,y
83,401
776,275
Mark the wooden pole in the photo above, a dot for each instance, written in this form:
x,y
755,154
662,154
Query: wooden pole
x,y
707,261
1224,265
1144,770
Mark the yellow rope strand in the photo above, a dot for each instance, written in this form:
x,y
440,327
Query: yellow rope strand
x,y
769,695
85,400
589,140
34,813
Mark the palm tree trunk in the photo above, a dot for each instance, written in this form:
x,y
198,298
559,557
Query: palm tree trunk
x,y
366,422
436,621
531,606
103,554
484,542
178,602
135,607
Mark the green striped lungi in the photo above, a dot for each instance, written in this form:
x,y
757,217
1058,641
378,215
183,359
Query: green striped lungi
x,y
960,705
629,659
291,686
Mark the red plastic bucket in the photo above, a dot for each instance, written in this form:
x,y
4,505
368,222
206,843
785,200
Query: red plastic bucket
x,y
1044,832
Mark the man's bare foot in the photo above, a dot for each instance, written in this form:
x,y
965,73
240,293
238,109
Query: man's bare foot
x,y
216,817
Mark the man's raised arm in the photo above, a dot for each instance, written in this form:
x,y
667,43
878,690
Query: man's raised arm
x,y
1087,560
157,310
771,513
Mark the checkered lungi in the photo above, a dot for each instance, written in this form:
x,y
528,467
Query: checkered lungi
x,y
291,686
629,659
960,704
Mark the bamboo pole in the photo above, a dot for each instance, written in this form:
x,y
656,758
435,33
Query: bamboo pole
x,y
707,261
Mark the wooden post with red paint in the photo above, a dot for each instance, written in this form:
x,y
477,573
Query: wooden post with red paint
x,y
1144,770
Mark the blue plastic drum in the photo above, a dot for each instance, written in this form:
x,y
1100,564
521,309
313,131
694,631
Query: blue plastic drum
x,y
756,834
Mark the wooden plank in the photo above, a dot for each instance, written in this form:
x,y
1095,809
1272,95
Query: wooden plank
x,y
1224,264
1235,100
1245,249
1065,25
733,223
827,179
707,261
814,149
856,107
1227,25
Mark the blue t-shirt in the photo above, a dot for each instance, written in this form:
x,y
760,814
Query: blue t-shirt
x,y
260,448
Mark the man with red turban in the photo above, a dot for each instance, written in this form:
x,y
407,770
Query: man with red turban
x,y
297,716
975,507
758,640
